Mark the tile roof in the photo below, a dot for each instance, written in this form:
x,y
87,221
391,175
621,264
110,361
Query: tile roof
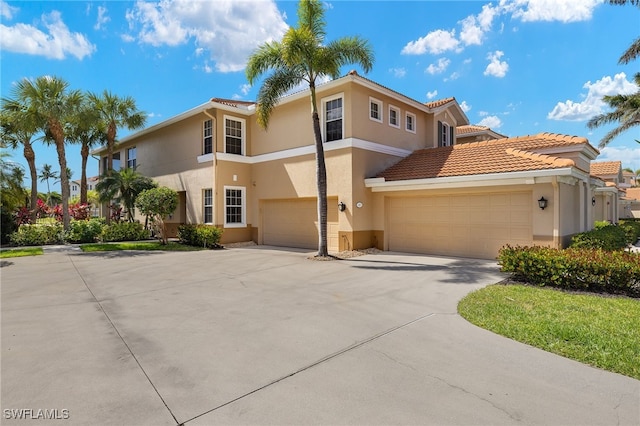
x,y
461,130
606,168
633,193
439,102
232,102
476,158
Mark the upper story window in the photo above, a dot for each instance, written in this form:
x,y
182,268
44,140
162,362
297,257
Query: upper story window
x,y
234,135
394,116
131,158
375,110
410,122
445,134
333,119
207,137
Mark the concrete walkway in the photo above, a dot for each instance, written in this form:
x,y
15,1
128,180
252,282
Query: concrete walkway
x,y
264,336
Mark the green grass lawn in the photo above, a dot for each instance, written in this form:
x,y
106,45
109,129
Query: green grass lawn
x,y
146,246
20,252
600,331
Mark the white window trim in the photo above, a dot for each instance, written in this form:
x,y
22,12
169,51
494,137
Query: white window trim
x,y
243,129
397,110
323,124
378,102
212,135
445,134
129,159
406,122
204,206
244,207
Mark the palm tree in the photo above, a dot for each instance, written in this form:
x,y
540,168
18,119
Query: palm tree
x,y
11,177
52,105
625,111
304,56
123,186
46,174
86,130
113,112
18,128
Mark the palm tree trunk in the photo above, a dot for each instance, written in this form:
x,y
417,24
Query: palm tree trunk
x,y
58,137
321,177
30,156
84,153
111,141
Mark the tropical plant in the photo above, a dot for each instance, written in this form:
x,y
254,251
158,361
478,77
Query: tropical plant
x,y
158,203
123,186
18,128
52,105
11,177
114,111
304,56
47,173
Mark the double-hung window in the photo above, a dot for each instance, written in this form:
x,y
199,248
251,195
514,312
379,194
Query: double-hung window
x,y
207,137
234,135
394,116
333,119
131,158
234,206
410,122
375,110
208,205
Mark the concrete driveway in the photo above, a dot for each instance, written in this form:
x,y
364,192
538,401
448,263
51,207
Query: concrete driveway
x,y
262,335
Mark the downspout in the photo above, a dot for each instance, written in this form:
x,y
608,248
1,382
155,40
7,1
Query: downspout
x,y
215,166
556,212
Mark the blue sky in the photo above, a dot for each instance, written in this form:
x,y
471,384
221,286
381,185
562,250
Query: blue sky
x,y
520,67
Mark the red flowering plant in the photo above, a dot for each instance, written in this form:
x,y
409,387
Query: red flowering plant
x,y
116,212
22,216
80,211
42,209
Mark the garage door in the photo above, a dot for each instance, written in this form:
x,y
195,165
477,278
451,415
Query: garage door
x,y
294,223
460,225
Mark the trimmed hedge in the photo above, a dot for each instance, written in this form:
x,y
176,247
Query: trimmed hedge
x,y
579,269
38,235
609,238
207,236
632,229
84,231
124,231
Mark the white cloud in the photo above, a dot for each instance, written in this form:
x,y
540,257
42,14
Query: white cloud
x,y
102,18
435,42
56,43
630,157
592,103
7,11
491,121
244,89
229,30
453,76
439,67
483,113
475,27
398,72
431,95
465,106
496,67
551,10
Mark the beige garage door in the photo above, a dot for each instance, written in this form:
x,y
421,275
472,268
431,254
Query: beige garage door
x,y
460,225
294,223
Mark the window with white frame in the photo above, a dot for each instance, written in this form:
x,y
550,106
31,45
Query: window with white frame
x,y
207,202
445,134
375,110
410,122
394,116
207,137
333,119
131,158
234,135
234,206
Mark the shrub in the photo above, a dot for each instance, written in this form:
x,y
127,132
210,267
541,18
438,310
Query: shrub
x,y
37,235
609,238
157,203
631,229
84,231
124,231
7,225
200,235
584,269
601,224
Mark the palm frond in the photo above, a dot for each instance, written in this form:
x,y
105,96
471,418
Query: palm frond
x,y
265,57
353,50
273,88
631,53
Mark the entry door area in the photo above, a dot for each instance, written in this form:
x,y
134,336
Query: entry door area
x,y
474,225
294,223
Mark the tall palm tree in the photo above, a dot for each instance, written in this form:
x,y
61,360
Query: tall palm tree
x,y
115,111
625,112
86,130
18,128
303,55
52,105
46,174
123,186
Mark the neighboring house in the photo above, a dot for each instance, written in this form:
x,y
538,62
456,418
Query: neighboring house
x,y
608,199
633,199
74,191
628,179
397,177
474,133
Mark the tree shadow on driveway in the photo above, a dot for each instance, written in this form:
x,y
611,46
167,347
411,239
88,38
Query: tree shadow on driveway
x,y
118,254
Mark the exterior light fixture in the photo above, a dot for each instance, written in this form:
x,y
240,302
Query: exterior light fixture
x,y
542,203
342,206
593,201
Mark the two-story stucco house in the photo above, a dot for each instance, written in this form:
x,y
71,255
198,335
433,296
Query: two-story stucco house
x,y
393,163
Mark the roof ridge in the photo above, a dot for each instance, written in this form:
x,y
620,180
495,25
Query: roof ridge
x,y
544,158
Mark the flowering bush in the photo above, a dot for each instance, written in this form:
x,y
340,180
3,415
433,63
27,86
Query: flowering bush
x,y
22,216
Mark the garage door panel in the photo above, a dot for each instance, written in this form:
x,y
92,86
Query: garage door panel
x,y
461,225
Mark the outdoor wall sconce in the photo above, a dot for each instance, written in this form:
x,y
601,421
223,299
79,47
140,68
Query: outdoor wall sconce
x,y
342,206
542,203
593,201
